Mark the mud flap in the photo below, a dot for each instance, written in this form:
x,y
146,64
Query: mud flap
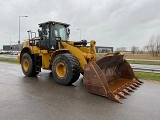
x,y
111,77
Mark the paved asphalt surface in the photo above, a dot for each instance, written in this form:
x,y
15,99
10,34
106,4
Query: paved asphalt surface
x,y
146,68
40,98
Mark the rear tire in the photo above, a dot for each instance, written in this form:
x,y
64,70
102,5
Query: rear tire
x,y
65,69
28,66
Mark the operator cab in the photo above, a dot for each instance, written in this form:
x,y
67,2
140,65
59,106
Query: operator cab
x,y
50,32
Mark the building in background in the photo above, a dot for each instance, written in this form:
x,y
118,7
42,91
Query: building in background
x,y
102,49
14,47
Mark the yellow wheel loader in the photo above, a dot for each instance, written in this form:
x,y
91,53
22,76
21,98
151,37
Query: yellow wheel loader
x,y
111,76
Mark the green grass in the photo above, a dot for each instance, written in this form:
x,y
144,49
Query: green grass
x,y
144,62
147,76
8,60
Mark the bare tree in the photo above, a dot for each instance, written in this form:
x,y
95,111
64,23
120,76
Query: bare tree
x,y
146,48
157,45
154,46
134,49
117,49
121,49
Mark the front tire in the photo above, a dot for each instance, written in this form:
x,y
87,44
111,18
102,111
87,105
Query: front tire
x,y
65,69
28,66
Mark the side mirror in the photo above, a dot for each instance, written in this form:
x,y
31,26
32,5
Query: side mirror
x,y
68,31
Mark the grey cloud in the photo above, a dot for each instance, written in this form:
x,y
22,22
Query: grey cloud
x,y
113,23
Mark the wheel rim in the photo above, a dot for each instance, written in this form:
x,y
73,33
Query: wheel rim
x,y
26,65
61,69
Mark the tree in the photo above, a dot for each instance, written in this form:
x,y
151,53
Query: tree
x,y
151,45
134,49
146,48
121,49
157,46
154,46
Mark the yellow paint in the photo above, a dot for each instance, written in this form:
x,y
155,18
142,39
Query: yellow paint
x,y
77,53
83,49
61,69
82,53
92,51
45,61
26,43
25,65
18,58
43,51
36,50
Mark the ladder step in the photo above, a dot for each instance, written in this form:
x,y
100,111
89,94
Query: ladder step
x,y
38,63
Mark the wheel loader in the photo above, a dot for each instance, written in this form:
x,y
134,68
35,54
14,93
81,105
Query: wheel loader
x,y
111,76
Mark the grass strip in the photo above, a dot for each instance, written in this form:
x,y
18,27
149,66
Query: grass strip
x,y
147,76
8,60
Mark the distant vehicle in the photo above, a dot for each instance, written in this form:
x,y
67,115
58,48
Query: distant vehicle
x,y
14,53
4,52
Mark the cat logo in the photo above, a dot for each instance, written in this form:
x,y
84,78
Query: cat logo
x,y
52,47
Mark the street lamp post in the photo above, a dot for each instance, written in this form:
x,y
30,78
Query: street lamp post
x,y
79,32
19,33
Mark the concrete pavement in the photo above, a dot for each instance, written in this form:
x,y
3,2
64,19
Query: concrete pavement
x,y
40,98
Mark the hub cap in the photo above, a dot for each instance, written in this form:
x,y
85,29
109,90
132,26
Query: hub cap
x,y
26,65
61,69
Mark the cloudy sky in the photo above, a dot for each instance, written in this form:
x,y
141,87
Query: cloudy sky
x,y
117,23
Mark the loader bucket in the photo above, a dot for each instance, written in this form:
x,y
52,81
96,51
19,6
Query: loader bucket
x,y
111,77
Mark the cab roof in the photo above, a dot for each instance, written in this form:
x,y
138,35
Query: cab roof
x,y
54,22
